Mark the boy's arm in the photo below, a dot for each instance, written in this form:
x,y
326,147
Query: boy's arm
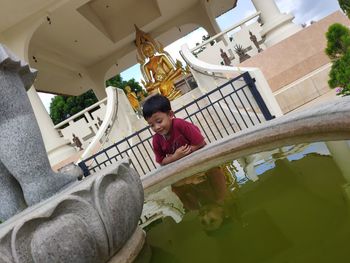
x,y
182,152
192,133
169,159
198,146
178,154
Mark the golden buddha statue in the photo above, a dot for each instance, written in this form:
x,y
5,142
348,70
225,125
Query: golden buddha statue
x,y
134,102
157,68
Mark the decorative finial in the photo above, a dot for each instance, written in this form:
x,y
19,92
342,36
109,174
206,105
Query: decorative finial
x,y
9,62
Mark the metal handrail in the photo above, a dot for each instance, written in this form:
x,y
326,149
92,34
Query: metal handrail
x,y
226,111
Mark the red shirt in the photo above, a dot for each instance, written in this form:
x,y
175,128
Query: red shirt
x,y
182,132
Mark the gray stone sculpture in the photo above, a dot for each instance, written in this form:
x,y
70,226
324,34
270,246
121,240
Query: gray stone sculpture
x,y
254,39
224,56
241,52
26,177
89,222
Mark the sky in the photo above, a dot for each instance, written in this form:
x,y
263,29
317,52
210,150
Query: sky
x,y
303,10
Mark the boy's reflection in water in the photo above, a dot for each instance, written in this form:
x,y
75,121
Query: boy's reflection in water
x,y
212,193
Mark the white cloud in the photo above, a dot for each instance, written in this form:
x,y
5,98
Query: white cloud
x,y
191,39
249,12
287,6
132,72
307,10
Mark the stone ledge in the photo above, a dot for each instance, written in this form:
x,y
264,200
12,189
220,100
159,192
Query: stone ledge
x,y
328,121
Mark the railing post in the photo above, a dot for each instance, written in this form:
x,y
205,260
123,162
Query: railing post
x,y
259,100
85,169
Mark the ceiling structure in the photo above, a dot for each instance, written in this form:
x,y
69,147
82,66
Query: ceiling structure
x,y
15,11
80,39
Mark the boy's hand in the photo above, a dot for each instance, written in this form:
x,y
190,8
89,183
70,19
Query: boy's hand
x,y
183,151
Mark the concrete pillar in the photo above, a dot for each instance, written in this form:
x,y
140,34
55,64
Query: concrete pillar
x,y
97,82
212,26
276,26
56,147
17,40
100,92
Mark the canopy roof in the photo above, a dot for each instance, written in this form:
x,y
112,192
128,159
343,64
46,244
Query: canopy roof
x,y
77,37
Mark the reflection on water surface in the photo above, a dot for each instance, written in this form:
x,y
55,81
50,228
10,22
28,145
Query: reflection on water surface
x,y
286,205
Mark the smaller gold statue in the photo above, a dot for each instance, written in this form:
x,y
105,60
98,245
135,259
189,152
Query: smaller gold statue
x,y
156,66
132,99
141,94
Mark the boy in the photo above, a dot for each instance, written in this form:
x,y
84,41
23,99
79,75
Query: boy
x,y
174,138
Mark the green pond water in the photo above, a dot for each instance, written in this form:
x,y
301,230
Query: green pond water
x,y
287,205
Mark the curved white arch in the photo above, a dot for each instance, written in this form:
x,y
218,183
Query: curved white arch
x,y
111,111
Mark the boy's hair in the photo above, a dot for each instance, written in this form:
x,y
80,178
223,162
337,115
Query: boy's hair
x,y
155,104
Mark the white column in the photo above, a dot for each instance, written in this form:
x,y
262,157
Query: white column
x,y
56,147
210,16
214,25
276,26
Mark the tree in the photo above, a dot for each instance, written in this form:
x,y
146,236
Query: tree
x,y
117,81
62,107
340,75
338,50
345,6
338,41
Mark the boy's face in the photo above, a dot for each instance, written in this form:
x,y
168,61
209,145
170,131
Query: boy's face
x,y
160,122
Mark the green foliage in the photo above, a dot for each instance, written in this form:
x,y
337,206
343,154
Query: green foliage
x,y
345,6
62,107
338,50
338,40
340,75
117,81
206,37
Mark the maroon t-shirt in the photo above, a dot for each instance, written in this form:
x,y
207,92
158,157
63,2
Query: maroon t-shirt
x,y
181,133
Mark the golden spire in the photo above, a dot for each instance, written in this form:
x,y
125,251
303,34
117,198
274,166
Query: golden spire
x,y
141,39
